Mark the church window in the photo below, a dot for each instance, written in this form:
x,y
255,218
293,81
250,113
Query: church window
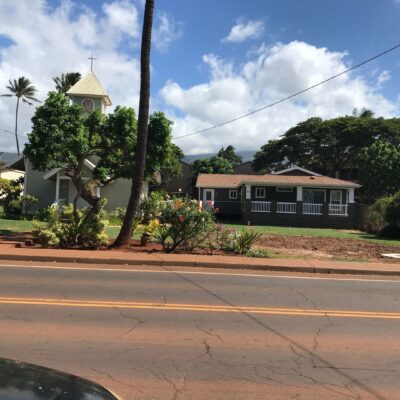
x,y
88,105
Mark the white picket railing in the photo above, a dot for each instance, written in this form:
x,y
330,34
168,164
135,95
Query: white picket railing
x,y
286,208
312,208
338,209
260,206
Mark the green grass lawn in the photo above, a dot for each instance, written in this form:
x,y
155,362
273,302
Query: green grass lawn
x,y
318,232
9,226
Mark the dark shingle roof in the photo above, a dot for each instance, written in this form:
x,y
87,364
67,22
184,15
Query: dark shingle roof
x,y
8,158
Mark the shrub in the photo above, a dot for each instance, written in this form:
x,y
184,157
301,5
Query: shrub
x,y
221,238
244,240
65,228
258,253
117,216
183,225
390,232
377,214
43,214
392,214
12,198
151,206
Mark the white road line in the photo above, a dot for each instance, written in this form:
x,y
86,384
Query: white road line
x,y
169,271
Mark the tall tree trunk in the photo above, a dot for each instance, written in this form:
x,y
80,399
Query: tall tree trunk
x,y
125,233
16,125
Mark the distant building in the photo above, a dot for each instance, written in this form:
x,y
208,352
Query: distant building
x,y
6,172
291,197
245,168
181,186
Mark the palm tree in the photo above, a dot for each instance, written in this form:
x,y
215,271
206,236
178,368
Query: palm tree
x,y
23,90
66,81
125,233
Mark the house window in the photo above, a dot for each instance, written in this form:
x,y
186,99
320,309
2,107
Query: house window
x,y
314,196
233,194
284,189
336,197
260,192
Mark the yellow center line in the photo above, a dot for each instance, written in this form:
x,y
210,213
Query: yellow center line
x,y
198,307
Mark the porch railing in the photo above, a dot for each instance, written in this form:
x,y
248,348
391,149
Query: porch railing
x,y
260,206
312,208
338,209
286,208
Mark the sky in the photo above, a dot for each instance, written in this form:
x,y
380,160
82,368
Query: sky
x,y
212,60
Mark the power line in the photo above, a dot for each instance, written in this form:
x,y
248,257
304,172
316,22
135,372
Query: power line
x,y
13,133
292,95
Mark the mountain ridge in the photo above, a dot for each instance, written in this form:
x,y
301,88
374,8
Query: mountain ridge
x,y
247,155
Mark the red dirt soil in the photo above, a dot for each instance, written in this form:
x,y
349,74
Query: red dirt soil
x,y
324,247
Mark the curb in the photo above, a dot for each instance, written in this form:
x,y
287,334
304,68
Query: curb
x,y
201,264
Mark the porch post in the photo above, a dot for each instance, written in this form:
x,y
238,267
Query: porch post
x,y
248,192
351,195
57,188
299,193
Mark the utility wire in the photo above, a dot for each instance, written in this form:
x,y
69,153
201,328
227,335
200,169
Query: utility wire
x,y
292,95
13,133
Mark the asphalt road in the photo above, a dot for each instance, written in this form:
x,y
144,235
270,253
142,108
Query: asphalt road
x,y
195,334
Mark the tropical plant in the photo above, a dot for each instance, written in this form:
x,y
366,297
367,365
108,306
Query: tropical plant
x,y
151,206
229,154
244,240
67,227
258,253
221,238
183,225
142,128
22,89
117,216
377,214
12,198
64,82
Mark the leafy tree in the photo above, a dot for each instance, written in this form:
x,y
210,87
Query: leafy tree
x,y
172,168
64,82
23,90
380,169
229,154
213,165
125,233
64,137
326,146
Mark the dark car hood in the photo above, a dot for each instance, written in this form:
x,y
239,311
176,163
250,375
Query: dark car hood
x,y
21,381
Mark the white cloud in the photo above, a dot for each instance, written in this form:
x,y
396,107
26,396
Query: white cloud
x,y
272,74
382,78
166,30
242,31
46,42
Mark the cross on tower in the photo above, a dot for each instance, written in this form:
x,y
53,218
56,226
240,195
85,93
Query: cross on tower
x,y
91,58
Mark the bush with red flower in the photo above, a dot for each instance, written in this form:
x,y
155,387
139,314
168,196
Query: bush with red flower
x,y
183,225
